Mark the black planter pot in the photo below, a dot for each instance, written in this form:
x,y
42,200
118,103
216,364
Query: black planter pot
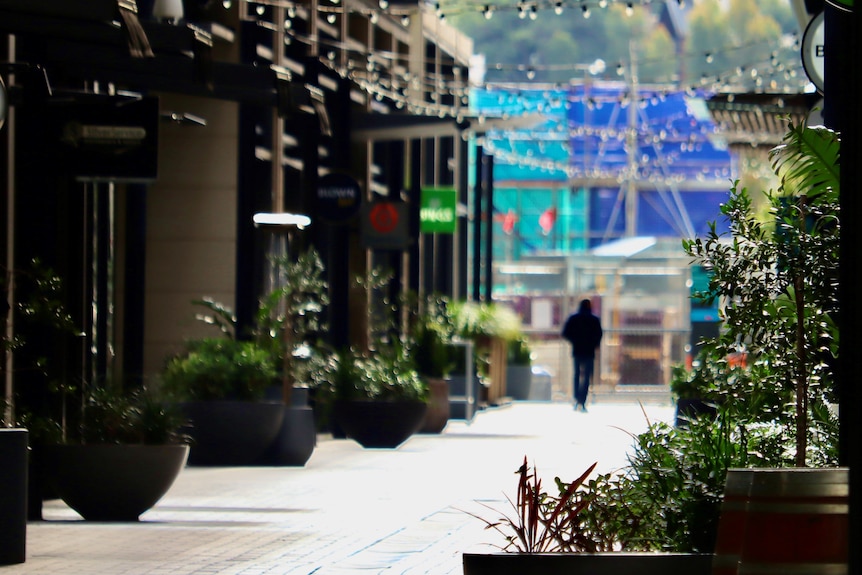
x,y
383,424
231,433
115,482
295,441
519,380
13,495
587,563
688,408
39,485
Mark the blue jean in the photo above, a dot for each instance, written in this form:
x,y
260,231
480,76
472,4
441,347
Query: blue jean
x,y
583,375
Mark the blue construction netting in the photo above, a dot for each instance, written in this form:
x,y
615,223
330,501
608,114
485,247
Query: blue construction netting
x,y
575,167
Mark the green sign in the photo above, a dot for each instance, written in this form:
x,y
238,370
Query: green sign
x,y
437,213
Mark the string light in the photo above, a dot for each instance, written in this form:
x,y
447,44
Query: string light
x,y
445,93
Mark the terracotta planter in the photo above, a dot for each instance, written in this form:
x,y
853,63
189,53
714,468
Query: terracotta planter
x,y
231,433
437,415
587,563
383,424
115,482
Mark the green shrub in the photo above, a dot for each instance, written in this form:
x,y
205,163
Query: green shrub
x,y
220,368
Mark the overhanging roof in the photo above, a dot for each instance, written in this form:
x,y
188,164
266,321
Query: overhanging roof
x,y
381,127
758,119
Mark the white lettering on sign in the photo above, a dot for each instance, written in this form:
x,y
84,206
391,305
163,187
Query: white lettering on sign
x,y
814,51
437,214
115,133
337,193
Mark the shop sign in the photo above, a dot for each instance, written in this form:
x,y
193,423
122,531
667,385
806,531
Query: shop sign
x,y
813,51
338,197
384,225
438,211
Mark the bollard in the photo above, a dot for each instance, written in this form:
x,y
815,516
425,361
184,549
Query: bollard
x,y
13,495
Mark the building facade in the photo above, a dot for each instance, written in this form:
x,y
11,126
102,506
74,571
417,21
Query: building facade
x,y
141,139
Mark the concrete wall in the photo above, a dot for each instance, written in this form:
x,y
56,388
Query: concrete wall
x,y
191,224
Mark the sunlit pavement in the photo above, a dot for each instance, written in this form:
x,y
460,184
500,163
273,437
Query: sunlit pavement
x,y
349,510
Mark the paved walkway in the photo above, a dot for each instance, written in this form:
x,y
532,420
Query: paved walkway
x,y
349,510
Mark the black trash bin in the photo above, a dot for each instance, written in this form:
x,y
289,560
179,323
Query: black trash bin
x,y
13,495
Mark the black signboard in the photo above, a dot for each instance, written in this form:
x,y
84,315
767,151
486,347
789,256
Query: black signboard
x,y
338,197
106,138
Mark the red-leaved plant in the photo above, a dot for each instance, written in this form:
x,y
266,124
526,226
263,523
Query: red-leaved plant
x,y
542,523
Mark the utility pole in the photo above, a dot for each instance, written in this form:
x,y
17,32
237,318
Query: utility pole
x,y
632,145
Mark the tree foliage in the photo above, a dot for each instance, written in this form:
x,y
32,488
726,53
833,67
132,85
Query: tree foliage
x,y
741,37
777,282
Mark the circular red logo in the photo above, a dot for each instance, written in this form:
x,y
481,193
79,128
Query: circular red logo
x,y
383,217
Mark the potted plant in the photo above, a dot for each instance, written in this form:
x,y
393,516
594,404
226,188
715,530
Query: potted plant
x,y
287,323
519,368
777,281
598,526
375,395
41,321
691,387
125,454
489,326
430,347
221,383
378,399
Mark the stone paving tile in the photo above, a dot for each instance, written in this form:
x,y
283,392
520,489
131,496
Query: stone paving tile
x,y
349,510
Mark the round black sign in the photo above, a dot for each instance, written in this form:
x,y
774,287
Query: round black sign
x,y
338,197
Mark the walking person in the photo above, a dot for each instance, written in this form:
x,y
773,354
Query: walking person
x,y
584,331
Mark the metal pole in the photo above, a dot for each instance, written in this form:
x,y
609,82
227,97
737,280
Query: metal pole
x,y
477,224
632,144
9,414
489,227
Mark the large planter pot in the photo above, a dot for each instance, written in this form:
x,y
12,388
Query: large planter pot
x,y
231,433
115,482
791,520
437,415
587,563
382,424
39,485
519,380
13,495
295,441
297,437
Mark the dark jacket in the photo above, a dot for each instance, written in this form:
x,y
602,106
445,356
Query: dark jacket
x,y
584,331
